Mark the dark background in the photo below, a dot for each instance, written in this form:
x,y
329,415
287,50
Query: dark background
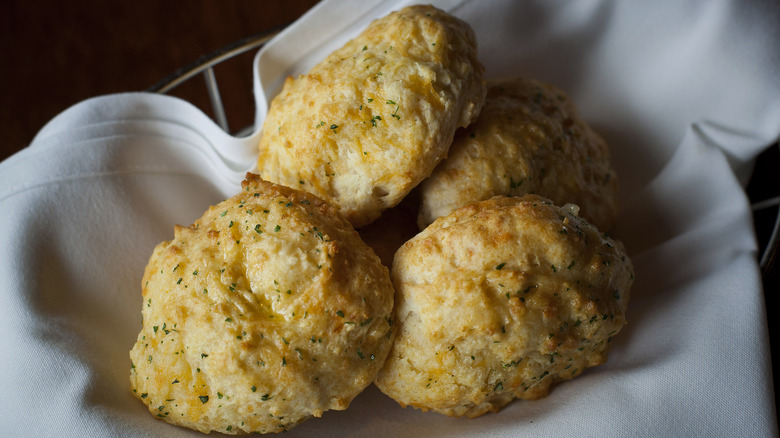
x,y
55,53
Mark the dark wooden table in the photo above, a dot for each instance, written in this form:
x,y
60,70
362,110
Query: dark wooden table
x,y
57,53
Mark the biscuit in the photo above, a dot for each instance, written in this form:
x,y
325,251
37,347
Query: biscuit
x,y
527,139
266,311
498,301
373,119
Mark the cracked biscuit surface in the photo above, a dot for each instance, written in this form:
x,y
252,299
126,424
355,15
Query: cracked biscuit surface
x,y
373,119
528,138
266,311
499,300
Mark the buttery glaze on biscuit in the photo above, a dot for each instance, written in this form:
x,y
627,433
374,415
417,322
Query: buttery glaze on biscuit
x,y
499,300
266,311
373,119
527,139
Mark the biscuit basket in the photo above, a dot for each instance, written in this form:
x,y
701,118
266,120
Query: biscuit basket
x,y
763,188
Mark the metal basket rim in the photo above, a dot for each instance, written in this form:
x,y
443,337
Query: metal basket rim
x,y
209,60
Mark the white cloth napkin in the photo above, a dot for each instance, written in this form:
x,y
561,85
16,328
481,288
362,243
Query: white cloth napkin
x,y
687,94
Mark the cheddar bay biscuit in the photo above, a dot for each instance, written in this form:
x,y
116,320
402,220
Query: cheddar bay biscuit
x,y
499,300
266,311
527,139
373,119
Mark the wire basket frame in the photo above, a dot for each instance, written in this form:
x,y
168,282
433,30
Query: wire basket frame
x,y
205,66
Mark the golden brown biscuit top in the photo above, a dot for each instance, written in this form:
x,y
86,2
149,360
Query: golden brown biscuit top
x,y
528,138
369,122
525,242
499,300
267,310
